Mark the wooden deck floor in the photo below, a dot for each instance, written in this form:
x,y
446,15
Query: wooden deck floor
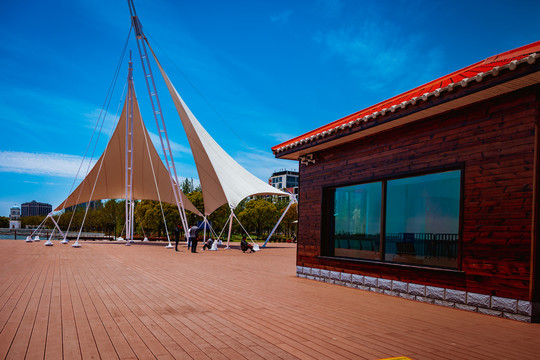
x,y
142,302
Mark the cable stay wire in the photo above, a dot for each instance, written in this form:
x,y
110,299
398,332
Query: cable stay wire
x,y
94,187
200,93
101,121
157,188
38,229
247,233
104,108
224,226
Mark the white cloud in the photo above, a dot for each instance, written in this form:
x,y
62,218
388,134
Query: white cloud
x,y
377,57
281,137
106,124
55,164
50,164
281,17
43,115
176,148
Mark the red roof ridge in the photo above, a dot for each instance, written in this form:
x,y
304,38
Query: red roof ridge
x,y
477,71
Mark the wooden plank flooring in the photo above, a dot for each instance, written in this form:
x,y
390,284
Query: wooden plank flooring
x,y
110,301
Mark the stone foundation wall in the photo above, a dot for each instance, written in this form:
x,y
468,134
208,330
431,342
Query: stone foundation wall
x,y
485,304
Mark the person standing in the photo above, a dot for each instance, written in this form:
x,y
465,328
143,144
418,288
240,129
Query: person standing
x,y
176,236
193,233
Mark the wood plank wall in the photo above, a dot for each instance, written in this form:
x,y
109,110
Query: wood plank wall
x,y
494,142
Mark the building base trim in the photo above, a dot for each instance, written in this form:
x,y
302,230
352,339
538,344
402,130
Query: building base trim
x,y
514,309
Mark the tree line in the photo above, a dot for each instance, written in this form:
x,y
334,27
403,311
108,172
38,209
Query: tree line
x,y
258,215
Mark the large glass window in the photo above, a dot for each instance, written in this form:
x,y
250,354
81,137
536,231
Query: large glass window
x,y
421,220
357,221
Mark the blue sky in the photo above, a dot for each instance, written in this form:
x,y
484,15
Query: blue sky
x,y
255,73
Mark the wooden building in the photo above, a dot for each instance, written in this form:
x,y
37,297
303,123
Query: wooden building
x,y
431,195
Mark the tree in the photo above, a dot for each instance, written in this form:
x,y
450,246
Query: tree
x,y
281,202
32,220
219,217
141,208
4,222
71,220
288,223
113,216
196,199
93,220
258,215
172,216
187,186
153,218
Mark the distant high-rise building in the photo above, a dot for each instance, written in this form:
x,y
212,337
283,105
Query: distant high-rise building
x,y
34,208
285,180
15,217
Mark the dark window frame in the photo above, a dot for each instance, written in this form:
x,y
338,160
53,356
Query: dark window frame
x,y
327,225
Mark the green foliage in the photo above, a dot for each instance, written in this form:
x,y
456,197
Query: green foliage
x,y
112,217
4,222
290,221
32,220
281,203
219,217
187,186
258,215
172,216
196,199
108,218
148,218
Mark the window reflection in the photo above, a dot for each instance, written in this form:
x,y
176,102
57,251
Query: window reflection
x,y
357,221
422,219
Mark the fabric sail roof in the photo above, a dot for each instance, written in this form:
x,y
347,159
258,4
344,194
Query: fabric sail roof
x,y
222,179
106,180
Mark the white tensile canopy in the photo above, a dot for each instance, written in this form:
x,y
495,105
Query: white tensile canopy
x,y
107,179
223,180
131,168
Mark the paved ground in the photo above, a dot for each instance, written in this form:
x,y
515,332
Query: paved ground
x,y
113,301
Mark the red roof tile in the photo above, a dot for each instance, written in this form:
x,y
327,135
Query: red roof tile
x,y
476,71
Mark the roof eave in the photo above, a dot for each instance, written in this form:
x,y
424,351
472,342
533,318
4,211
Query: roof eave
x,y
475,90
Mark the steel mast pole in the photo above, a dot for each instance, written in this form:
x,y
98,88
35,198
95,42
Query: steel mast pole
x,y
158,115
292,200
129,156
